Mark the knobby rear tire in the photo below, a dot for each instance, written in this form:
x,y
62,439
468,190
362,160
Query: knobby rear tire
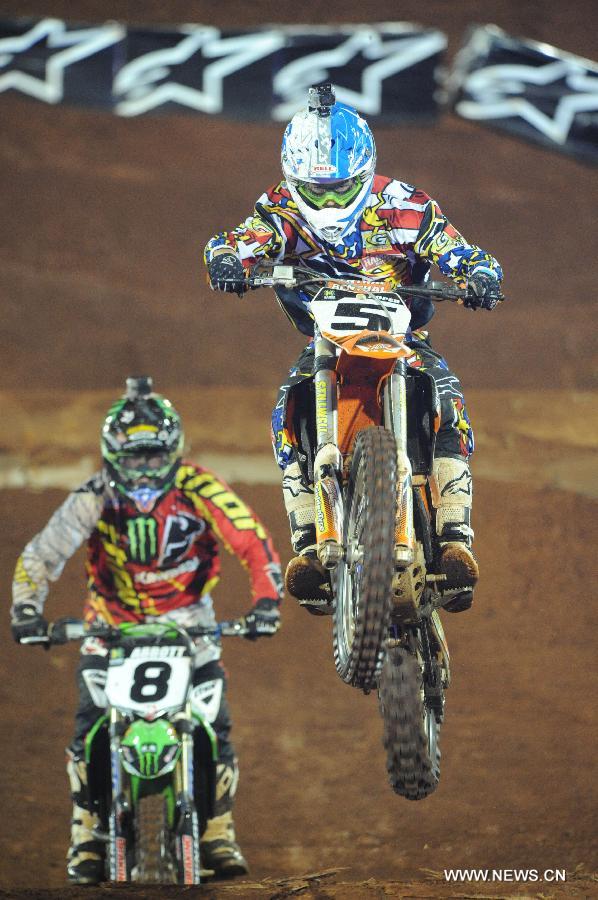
x,y
363,593
410,727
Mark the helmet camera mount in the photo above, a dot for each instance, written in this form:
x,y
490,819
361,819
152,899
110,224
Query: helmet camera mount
x,y
139,386
321,99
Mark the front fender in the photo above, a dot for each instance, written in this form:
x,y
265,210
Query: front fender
x,y
150,749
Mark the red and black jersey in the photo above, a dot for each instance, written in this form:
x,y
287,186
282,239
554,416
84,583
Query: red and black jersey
x,y
149,564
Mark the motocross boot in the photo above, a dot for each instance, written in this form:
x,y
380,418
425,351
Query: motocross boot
x,y
305,578
85,857
218,849
452,489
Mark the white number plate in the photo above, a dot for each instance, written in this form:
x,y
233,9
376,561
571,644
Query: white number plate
x,y
342,314
148,686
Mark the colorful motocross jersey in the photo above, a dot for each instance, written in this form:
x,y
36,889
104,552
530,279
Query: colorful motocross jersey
x,y
402,232
155,563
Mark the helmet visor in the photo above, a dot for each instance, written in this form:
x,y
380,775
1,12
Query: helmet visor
x,y
327,194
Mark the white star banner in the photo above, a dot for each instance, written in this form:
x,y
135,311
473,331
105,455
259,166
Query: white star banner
x,y
529,89
387,70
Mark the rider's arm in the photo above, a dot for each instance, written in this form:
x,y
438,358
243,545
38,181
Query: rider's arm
x,y
264,235
439,242
237,526
45,555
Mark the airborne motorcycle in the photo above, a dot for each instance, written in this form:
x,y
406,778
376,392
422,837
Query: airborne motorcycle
x,y
374,427
151,758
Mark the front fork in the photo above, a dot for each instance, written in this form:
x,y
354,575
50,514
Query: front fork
x,y
120,814
395,419
187,825
328,463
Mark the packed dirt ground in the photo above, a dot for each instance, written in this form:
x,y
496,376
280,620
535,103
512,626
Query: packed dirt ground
x,y
516,788
100,277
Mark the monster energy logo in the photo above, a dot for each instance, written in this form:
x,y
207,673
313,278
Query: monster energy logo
x,y
143,538
148,760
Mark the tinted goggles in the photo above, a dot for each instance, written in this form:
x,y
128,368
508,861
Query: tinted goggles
x,y
321,194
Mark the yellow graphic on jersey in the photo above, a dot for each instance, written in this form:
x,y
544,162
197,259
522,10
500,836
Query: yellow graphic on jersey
x,y
370,214
116,560
376,240
22,576
206,486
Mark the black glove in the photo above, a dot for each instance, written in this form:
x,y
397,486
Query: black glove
x,y
484,292
27,622
263,620
227,274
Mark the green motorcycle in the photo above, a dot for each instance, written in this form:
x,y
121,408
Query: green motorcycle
x,y
151,758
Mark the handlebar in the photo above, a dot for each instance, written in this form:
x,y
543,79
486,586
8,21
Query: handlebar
x,y
298,276
65,630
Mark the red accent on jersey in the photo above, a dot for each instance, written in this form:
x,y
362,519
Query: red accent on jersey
x,y
380,182
402,218
150,564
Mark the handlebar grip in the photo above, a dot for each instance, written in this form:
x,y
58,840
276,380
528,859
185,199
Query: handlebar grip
x,y
232,628
64,630
236,628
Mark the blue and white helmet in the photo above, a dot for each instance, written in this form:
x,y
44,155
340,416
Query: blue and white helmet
x,y
328,161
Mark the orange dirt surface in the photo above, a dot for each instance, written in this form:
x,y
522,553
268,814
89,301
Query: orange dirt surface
x,y
516,789
101,276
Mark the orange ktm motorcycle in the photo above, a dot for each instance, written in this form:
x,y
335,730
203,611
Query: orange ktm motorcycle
x,y
374,426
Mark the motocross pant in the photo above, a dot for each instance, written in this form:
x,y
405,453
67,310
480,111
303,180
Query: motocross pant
x,y
454,445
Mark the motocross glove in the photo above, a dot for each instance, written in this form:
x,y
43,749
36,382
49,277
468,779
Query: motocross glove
x,y
227,274
263,620
27,622
484,292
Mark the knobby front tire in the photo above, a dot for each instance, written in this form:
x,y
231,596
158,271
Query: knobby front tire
x,y
363,582
151,827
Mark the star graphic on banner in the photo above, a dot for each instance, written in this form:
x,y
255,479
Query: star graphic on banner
x,y
498,92
148,81
64,48
380,58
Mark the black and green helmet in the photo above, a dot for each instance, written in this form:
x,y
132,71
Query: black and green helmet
x,y
142,442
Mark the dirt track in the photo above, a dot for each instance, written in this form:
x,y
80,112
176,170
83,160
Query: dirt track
x,y
99,277
516,789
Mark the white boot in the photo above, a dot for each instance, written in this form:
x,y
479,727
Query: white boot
x,y
299,503
452,491
219,850
85,857
305,577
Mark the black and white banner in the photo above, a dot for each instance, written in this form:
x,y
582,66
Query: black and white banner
x,y
531,90
388,71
